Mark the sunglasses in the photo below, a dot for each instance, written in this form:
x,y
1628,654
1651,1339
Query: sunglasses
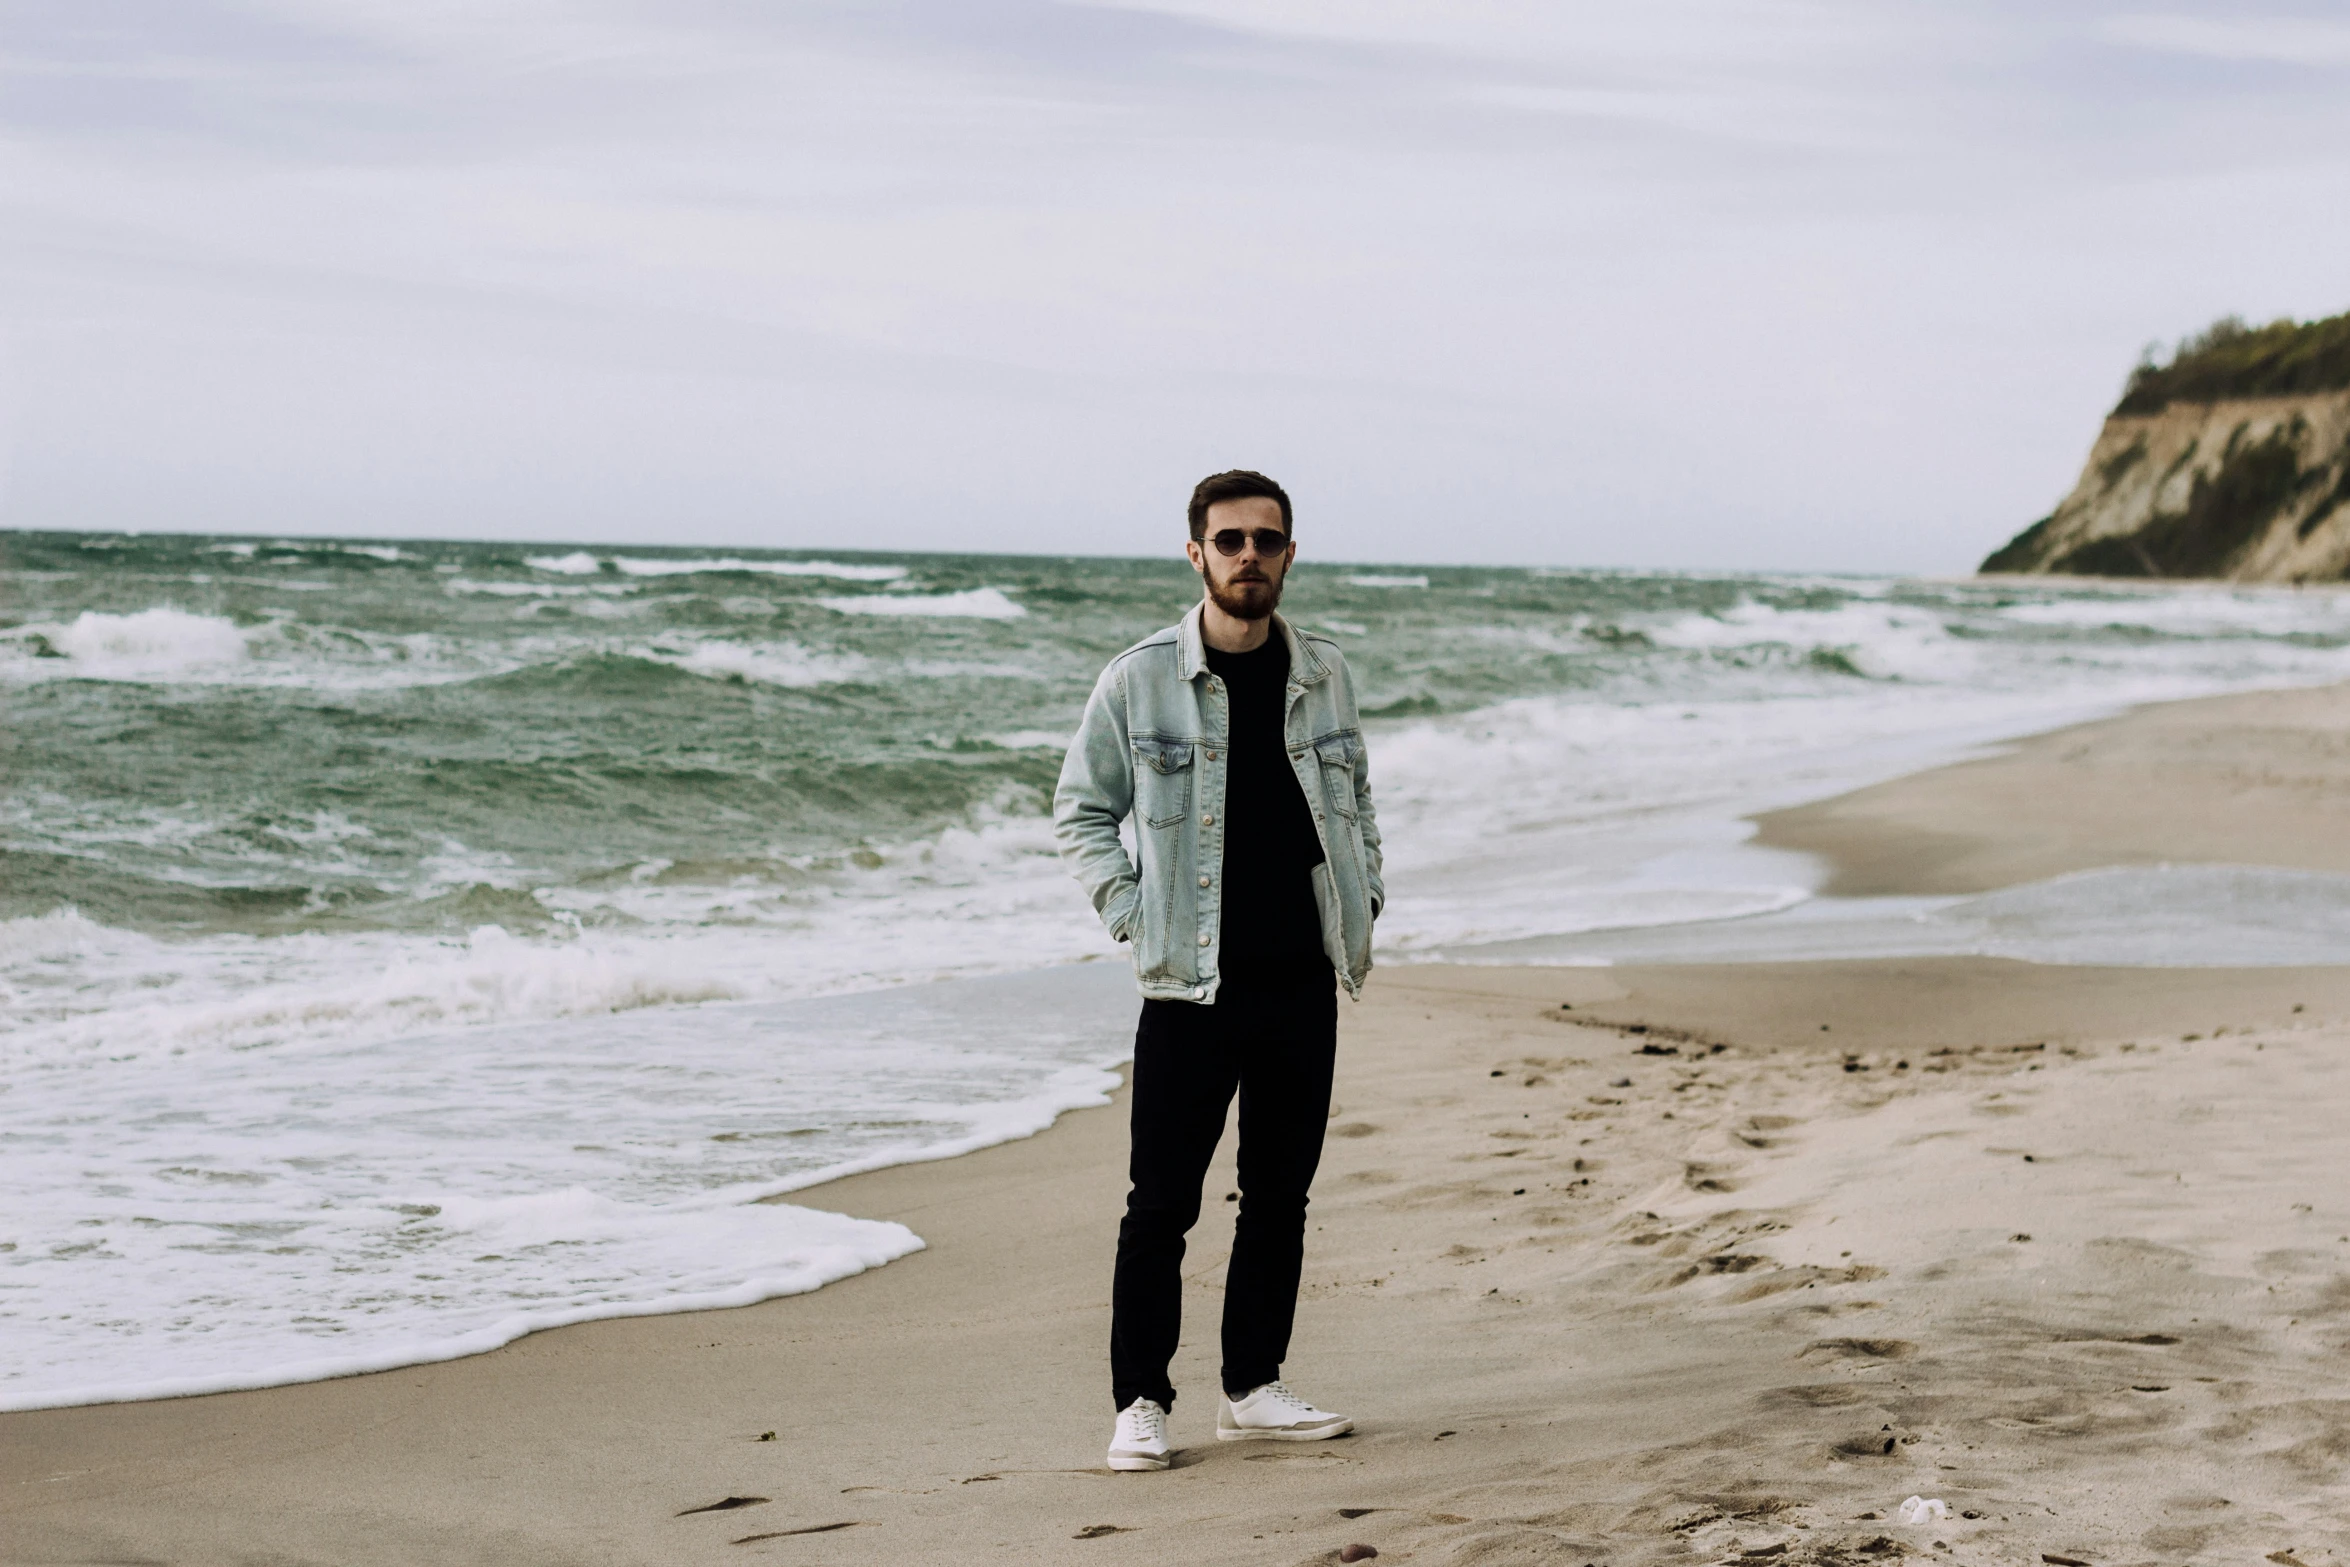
x,y
1269,541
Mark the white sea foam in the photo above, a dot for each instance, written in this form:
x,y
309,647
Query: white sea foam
x,y
652,566
343,1206
241,1342
895,914
234,992
1388,580
579,563
170,647
44,938
383,552
151,643
768,663
1873,638
541,590
166,646
2196,611
973,603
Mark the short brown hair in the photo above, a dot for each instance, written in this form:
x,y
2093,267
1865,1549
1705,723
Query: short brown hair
x,y
1238,484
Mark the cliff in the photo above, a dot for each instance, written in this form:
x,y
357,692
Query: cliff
x,y
2232,460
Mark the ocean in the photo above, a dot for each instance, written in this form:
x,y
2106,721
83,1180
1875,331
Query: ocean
x,y
407,945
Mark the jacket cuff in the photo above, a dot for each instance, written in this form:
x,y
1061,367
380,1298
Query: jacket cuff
x,y
1118,916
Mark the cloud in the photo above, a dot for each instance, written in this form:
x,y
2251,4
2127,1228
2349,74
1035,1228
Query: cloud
x,y
2283,40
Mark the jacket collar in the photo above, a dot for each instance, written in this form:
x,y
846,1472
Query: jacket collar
x,y
1305,666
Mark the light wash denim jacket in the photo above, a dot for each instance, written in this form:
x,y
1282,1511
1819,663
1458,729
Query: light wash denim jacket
x,y
1152,745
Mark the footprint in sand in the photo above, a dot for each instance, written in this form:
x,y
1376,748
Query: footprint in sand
x,y
781,1534
725,1505
1816,1395
1858,1349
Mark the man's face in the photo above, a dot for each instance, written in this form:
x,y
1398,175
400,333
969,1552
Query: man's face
x,y
1246,586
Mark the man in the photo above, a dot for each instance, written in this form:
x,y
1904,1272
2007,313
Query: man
x,y
1232,740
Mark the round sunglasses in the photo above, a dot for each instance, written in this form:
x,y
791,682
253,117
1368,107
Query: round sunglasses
x,y
1228,541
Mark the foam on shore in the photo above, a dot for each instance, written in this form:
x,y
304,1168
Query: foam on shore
x,y
259,1217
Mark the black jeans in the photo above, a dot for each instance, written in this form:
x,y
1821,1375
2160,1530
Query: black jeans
x,y
1274,1040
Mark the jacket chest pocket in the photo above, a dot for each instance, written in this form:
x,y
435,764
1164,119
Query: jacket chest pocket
x,y
1340,755
1162,781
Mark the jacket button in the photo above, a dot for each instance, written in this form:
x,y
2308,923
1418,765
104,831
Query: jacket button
x,y
1200,994
1203,940
1207,821
1203,881
1211,756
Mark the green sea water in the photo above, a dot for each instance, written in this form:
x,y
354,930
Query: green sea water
x,y
268,736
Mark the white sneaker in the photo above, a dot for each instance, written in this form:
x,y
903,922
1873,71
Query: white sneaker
x,y
1274,1413
1141,1442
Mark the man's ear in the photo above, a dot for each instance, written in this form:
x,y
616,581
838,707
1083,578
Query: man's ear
x,y
1198,556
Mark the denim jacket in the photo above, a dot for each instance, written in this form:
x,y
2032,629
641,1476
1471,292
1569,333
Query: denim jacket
x,y
1152,745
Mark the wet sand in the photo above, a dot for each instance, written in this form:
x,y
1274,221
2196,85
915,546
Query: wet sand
x,y
2260,779
1617,1266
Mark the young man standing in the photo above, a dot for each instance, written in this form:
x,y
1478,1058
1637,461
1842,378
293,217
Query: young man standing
x,y
1232,740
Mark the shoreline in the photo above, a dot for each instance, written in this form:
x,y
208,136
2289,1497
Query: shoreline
x,y
2241,778
1617,1326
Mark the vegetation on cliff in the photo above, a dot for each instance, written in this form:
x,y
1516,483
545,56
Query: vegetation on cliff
x,y
2228,359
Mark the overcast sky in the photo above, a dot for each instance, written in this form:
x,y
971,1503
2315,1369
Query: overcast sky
x,y
1804,284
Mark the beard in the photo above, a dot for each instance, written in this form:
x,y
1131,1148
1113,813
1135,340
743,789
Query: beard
x,y
1253,599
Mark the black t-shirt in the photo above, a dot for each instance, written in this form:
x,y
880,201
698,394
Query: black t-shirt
x,y
1271,925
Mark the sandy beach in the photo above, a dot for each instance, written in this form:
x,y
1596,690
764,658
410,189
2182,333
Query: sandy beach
x,y
1612,1266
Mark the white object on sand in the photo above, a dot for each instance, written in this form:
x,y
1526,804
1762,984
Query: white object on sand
x,y
1920,1509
